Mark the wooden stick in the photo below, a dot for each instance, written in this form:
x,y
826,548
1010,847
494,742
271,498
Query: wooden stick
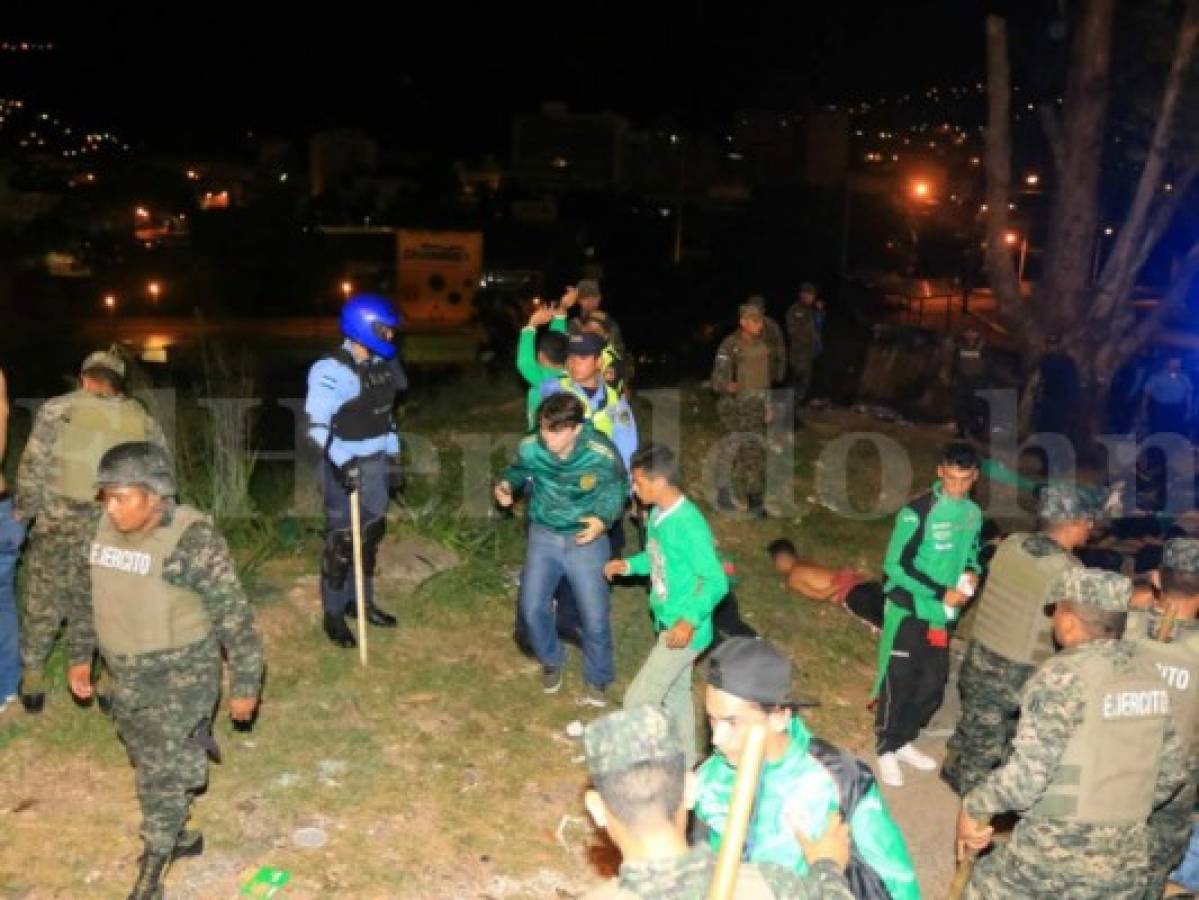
x,y
961,877
741,807
359,580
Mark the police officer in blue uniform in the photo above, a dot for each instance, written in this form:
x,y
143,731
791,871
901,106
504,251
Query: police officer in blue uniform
x,y
351,415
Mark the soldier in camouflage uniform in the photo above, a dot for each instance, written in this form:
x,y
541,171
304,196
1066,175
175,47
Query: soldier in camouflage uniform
x,y
166,600
55,489
773,335
1011,634
640,796
1084,831
741,377
803,333
1169,636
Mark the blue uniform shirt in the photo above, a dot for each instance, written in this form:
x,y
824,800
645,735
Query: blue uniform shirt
x,y
331,385
1168,388
624,426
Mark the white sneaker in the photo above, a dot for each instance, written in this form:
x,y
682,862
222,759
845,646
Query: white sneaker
x,y
914,758
888,770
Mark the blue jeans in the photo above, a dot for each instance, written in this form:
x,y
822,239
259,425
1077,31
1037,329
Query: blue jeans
x,y
337,581
12,534
1187,873
549,558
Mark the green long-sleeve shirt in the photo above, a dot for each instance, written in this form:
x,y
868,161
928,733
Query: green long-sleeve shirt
x,y
591,481
533,372
687,579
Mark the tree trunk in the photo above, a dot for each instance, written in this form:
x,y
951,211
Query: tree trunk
x,y
1074,212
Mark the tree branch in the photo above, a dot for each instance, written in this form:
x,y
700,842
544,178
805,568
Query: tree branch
x,y
1052,126
1005,282
1173,301
1120,271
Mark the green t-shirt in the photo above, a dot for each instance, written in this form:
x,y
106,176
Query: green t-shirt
x,y
687,579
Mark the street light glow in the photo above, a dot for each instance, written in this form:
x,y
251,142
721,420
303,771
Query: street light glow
x,y
1010,238
154,289
921,189
142,213
347,288
1032,179
110,301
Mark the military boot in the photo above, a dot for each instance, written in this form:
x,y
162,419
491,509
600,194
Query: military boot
x,y
190,843
149,877
757,509
32,693
724,501
338,632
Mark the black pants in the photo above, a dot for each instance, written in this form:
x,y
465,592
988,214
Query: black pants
x,y
912,688
866,601
726,618
968,407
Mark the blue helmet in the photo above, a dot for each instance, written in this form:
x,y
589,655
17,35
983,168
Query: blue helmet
x,y
362,318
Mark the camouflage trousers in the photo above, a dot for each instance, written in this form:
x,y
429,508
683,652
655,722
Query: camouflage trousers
x,y
990,687
58,586
1169,833
741,459
998,876
1064,861
163,705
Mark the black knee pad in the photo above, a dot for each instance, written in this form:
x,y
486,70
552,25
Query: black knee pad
x,y
338,558
372,536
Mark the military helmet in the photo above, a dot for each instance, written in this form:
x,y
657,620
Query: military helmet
x,y
138,463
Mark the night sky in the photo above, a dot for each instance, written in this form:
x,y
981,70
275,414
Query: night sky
x,y
447,77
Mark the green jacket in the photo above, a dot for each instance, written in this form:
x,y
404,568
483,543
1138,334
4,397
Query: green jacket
x,y
589,482
934,541
687,578
533,372
800,783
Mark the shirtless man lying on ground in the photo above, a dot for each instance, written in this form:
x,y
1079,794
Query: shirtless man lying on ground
x,y
855,592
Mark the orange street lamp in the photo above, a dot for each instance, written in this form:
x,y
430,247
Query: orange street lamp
x,y
921,190
1010,238
347,288
1032,179
142,213
154,289
110,301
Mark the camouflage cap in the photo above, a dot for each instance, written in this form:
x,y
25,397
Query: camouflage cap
x,y
137,463
104,359
1092,587
1181,555
749,310
758,301
627,737
587,287
1065,503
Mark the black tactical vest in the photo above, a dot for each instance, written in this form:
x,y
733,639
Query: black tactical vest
x,y
369,414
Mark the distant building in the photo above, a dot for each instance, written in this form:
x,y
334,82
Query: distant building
x,y
558,148
335,156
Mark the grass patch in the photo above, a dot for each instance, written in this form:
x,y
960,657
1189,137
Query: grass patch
x,y
441,770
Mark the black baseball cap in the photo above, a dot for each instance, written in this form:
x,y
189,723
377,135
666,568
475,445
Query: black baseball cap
x,y
585,344
755,670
